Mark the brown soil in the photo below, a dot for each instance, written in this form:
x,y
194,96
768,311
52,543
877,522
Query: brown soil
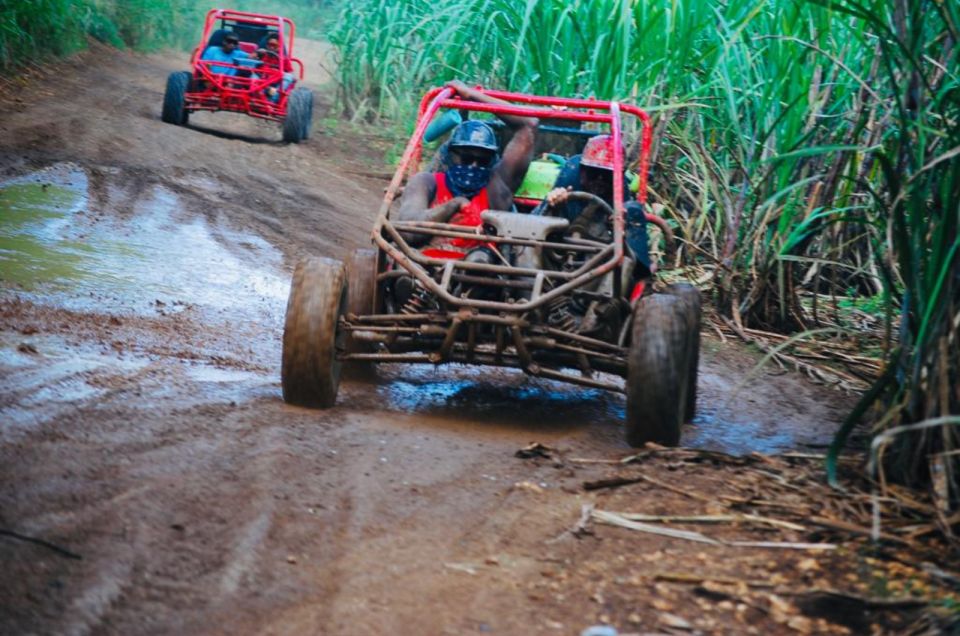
x,y
153,441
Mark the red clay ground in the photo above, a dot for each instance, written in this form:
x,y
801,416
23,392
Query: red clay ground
x,y
142,427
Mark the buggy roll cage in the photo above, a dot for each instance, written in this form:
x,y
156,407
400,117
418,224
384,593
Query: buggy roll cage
x,y
600,258
231,86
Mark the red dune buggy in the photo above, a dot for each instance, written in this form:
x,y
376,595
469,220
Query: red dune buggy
x,y
265,84
556,303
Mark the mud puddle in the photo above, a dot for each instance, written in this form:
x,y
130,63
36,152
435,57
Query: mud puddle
x,y
455,396
51,241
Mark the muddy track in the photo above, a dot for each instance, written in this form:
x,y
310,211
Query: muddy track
x,y
141,423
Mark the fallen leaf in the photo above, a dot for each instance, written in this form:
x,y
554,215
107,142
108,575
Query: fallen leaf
x,y
674,621
529,486
801,624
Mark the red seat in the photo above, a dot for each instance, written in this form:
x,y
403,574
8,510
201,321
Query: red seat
x,y
248,47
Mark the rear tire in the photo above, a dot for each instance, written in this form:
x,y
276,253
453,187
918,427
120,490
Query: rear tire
x,y
296,125
174,98
691,296
310,370
657,371
362,283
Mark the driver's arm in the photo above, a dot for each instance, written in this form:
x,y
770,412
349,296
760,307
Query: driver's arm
x,y
519,152
415,205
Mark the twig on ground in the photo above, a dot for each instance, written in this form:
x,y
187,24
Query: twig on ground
x,y
679,491
613,482
614,519
46,544
852,528
852,601
699,579
782,545
786,525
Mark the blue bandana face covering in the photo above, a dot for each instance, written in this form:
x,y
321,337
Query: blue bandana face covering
x,y
467,181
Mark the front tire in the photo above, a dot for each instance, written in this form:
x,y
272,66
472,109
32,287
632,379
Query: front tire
x,y
175,100
657,371
310,370
690,295
362,282
296,125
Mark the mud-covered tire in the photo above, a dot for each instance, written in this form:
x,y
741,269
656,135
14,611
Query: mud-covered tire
x,y
310,370
174,99
694,311
362,283
296,125
657,371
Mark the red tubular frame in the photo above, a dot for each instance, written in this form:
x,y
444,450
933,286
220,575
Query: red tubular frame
x,y
532,106
646,140
242,94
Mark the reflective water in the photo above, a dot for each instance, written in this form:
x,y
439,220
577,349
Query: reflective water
x,y
509,397
50,237
36,244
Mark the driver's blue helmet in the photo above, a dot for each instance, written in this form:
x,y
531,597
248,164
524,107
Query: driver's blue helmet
x,y
474,134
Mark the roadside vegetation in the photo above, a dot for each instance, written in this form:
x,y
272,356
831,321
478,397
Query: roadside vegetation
x,y
807,152
34,30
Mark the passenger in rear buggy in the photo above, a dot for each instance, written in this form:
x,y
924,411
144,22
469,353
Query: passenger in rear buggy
x,y
269,56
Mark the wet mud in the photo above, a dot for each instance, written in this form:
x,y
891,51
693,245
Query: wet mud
x,y
144,270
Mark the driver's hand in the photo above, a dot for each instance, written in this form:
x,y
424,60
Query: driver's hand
x,y
261,52
558,196
446,211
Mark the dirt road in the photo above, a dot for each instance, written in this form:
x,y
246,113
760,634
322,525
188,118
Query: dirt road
x,y
142,427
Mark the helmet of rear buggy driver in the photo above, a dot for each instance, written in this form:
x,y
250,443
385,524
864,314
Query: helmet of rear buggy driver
x,y
598,153
474,134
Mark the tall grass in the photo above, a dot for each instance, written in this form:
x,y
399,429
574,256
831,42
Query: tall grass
x,y
917,200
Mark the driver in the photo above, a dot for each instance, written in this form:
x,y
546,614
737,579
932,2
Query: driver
x,y
228,53
475,180
592,172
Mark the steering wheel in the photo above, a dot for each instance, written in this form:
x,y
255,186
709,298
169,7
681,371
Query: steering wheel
x,y
576,195
560,259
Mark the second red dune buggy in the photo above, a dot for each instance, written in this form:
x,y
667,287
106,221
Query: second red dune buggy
x,y
262,79
557,302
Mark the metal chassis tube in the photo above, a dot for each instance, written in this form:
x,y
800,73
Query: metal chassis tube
x,y
600,264
437,337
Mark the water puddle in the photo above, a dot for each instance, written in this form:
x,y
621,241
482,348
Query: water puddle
x,y
485,395
50,240
36,244
488,394
735,435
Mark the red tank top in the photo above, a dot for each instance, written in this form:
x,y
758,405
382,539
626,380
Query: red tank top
x,y
469,216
